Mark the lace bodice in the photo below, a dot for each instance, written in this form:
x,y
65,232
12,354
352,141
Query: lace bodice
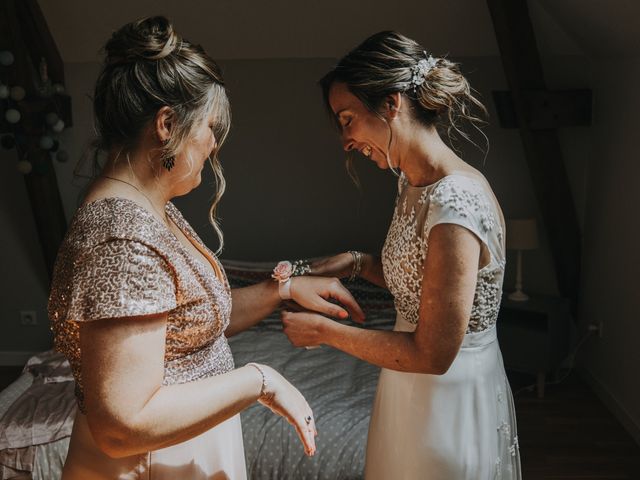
x,y
459,199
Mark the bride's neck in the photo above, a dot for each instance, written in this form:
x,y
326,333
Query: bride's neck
x,y
426,158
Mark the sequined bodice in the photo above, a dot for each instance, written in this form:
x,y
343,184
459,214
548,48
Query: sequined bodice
x,y
458,199
117,260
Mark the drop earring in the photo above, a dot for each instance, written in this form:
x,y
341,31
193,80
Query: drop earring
x,y
168,162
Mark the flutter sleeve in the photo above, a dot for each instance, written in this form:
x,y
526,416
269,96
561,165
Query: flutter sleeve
x,y
121,278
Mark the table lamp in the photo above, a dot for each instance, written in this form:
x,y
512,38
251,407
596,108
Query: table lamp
x,y
521,235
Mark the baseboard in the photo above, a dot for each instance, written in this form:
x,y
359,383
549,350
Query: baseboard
x,y
612,404
15,358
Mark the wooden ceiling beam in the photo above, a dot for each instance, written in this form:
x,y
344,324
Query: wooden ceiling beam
x,y
38,39
24,32
524,73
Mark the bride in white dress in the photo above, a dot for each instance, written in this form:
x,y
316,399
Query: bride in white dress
x,y
443,409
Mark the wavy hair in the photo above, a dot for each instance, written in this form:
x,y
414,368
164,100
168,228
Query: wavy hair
x,y
147,66
385,63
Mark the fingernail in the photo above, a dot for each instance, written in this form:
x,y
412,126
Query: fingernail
x,y
344,314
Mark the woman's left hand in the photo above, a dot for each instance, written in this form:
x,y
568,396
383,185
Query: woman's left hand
x,y
313,294
305,329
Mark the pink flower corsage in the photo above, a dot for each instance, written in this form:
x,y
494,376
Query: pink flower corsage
x,y
283,271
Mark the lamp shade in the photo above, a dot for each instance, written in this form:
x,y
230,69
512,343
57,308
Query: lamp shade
x,y
522,234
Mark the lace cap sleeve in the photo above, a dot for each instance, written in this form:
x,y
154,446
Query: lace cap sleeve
x,y
121,278
461,201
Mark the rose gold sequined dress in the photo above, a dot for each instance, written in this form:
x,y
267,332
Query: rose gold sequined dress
x,y
118,260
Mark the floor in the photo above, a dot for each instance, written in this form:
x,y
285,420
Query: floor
x,y
567,435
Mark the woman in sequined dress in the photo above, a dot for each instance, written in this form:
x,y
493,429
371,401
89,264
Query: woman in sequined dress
x,y
139,305
443,408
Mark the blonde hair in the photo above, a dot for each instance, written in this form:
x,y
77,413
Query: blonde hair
x,y
147,66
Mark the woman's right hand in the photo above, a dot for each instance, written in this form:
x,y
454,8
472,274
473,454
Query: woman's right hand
x,y
282,398
339,266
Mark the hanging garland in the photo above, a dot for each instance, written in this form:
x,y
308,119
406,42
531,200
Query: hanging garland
x,y
32,125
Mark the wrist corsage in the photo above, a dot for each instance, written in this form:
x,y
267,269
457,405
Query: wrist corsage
x,y
283,272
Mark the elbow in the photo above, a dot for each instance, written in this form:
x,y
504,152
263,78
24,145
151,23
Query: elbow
x,y
231,331
430,367
440,368
113,439
438,364
434,360
112,447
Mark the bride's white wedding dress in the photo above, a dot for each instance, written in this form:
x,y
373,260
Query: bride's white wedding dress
x,y
460,425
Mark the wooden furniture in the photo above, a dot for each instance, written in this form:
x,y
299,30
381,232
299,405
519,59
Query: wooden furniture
x,y
534,335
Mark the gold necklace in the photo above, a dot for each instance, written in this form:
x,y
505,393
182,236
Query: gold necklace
x,y
166,220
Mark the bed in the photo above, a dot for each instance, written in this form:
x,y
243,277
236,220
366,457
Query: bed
x,y
37,410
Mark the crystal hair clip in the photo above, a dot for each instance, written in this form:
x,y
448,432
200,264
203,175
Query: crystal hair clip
x,y
420,70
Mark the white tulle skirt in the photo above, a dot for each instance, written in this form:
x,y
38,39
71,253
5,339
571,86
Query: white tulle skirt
x,y
456,426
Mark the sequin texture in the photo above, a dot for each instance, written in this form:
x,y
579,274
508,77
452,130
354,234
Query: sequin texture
x,y
117,260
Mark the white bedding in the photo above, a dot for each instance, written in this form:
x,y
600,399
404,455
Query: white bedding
x,y
47,458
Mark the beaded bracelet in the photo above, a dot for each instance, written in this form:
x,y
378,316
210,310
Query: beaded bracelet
x,y
263,388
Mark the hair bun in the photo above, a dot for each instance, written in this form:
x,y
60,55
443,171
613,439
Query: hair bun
x,y
150,38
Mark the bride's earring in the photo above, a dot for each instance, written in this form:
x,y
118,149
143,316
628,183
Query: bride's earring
x,y
168,162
